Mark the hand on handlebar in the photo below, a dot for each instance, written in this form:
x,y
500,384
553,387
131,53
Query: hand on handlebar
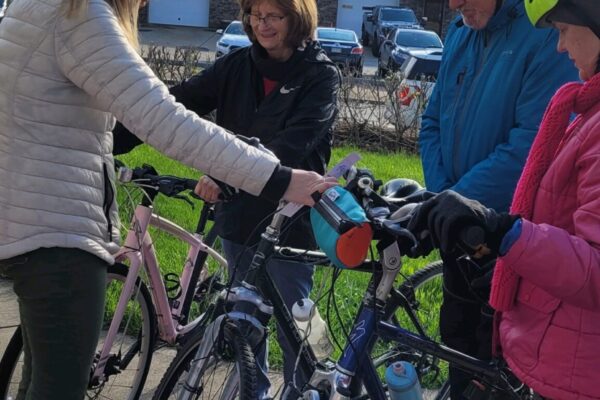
x,y
304,183
449,217
208,190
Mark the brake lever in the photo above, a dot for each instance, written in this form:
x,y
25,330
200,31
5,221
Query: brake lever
x,y
184,198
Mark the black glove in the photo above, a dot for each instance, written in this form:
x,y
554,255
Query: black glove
x,y
446,215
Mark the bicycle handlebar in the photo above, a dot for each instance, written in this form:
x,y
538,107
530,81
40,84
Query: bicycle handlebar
x,y
389,217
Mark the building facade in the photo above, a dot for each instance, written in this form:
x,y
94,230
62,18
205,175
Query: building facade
x,y
335,13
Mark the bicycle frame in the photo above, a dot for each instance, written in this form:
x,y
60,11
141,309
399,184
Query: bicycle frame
x,y
138,248
354,369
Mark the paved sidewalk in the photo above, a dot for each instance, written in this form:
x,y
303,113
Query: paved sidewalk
x,y
171,36
9,313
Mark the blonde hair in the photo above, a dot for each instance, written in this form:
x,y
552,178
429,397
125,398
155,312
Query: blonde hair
x,y
302,14
126,12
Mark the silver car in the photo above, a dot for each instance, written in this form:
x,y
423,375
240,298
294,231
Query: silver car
x,y
233,37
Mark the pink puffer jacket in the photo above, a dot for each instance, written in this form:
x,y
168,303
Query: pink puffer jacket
x,y
551,337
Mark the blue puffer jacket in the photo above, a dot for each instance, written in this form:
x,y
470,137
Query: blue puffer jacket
x,y
493,87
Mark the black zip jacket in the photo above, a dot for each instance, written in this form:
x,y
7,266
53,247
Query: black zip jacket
x,y
294,121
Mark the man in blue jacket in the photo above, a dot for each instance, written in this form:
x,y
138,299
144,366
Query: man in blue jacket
x,y
495,80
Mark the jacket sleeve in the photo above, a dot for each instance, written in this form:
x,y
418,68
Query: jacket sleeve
x,y
430,144
564,265
94,54
199,93
311,121
546,73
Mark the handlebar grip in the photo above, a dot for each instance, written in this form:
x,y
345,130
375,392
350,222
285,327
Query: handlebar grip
x,y
472,239
190,184
227,192
316,196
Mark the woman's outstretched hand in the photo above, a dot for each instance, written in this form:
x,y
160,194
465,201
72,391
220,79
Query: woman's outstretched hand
x,y
208,189
305,183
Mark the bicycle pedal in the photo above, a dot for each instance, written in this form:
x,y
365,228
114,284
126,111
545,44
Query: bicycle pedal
x,y
476,391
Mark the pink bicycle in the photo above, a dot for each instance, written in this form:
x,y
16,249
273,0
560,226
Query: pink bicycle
x,y
151,311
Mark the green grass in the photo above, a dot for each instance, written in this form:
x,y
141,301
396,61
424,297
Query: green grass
x,y
350,286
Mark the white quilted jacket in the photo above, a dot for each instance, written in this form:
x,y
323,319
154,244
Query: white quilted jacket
x,y
62,82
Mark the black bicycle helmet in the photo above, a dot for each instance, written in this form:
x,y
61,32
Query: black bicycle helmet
x,y
398,188
542,13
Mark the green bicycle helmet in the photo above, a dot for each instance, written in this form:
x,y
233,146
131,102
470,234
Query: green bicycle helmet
x,y
542,13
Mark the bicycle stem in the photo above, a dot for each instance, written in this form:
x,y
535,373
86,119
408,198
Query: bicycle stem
x,y
391,263
266,246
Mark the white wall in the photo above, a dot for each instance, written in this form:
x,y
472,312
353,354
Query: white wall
x,y
179,12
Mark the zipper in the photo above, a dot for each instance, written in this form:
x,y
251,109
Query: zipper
x,y
109,198
467,103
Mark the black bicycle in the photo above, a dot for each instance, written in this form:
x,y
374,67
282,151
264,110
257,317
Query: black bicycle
x,y
217,362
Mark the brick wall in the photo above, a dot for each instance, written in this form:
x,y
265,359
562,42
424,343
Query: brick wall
x,y
432,9
327,12
143,17
222,12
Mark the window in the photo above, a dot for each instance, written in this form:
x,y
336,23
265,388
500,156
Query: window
x,y
331,34
234,28
421,39
418,68
398,14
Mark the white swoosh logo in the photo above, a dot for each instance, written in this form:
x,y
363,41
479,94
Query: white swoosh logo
x,y
283,89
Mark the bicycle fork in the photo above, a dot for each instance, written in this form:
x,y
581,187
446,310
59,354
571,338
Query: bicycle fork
x,y
362,336
250,318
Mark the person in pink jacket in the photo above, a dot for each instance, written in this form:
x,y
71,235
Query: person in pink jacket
x,y
546,282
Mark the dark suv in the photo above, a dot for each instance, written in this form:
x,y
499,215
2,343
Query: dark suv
x,y
379,21
400,44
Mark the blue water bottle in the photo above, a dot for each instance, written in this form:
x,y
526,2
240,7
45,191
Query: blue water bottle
x,y
403,383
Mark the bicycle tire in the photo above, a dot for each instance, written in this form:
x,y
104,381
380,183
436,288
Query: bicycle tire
x,y
9,362
423,292
113,387
145,338
230,345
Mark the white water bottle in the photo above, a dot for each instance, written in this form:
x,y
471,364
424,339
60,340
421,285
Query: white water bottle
x,y
309,322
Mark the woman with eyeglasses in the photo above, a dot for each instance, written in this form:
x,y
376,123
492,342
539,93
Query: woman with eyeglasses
x,y
282,89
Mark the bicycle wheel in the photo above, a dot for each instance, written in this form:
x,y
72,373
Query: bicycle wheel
x,y
9,366
226,367
212,280
130,356
415,306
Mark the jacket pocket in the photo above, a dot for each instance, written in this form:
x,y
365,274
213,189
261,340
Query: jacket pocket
x,y
526,325
534,297
109,199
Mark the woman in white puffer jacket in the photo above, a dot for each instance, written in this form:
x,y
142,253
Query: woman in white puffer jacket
x,y
67,69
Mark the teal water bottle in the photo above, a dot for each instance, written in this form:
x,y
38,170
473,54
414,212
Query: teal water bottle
x,y
402,381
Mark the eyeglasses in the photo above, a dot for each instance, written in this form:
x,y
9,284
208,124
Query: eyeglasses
x,y
268,19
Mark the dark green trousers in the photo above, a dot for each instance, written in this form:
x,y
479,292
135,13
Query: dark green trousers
x,y
61,300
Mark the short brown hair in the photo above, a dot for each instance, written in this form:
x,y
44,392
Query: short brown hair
x,y
302,14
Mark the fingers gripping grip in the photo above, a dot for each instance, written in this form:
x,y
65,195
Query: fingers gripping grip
x,y
472,241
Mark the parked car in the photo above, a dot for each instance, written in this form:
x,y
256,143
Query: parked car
x,y
401,43
378,21
343,48
419,73
233,38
